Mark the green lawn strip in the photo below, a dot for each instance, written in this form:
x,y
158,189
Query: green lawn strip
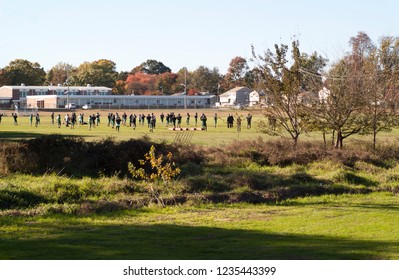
x,y
326,227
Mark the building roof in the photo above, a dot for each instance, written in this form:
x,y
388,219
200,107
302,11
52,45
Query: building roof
x,y
234,90
62,88
123,96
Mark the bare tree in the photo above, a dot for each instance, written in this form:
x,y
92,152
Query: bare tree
x,y
282,84
343,110
381,76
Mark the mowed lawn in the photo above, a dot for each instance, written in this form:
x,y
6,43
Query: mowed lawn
x,y
325,227
218,135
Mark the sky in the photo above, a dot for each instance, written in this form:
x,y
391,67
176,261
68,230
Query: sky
x,y
183,33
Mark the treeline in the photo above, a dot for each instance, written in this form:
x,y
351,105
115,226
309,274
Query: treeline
x,y
151,77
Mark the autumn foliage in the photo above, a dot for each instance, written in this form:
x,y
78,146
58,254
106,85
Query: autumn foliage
x,y
150,84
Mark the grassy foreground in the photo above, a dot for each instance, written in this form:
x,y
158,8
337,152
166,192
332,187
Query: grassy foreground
x,y
309,203
362,226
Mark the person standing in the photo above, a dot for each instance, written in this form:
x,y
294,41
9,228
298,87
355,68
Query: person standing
x,y
52,118
203,120
15,116
196,118
238,124
178,118
148,120
37,120
215,118
97,118
118,121
31,119
249,120
153,122
134,120
188,119
59,121
162,116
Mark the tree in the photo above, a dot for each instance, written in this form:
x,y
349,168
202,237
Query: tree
x,y
141,84
59,74
381,75
120,84
98,73
165,82
343,111
21,71
204,79
311,67
236,73
282,84
152,66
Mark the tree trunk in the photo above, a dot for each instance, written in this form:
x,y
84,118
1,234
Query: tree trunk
x,y
340,140
295,142
333,138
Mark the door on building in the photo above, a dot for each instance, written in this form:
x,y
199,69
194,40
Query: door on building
x,y
40,104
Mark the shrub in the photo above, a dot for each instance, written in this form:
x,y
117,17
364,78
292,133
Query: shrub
x,y
18,199
157,173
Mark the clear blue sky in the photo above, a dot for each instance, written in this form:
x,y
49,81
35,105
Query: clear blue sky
x,y
182,33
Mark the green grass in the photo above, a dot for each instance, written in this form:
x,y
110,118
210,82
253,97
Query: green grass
x,y
214,136
325,209
326,227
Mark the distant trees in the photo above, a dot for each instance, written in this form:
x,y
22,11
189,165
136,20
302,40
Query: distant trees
x,y
21,71
141,84
236,73
204,79
59,74
150,77
97,73
152,66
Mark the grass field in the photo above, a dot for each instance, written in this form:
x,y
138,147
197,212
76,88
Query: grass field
x,y
214,136
321,209
326,227
218,135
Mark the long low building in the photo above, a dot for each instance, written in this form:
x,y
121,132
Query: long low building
x,y
121,101
53,97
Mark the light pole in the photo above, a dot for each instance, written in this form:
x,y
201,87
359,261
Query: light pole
x,y
67,83
185,92
185,87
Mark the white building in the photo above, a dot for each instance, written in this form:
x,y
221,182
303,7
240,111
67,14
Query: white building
x,y
17,95
254,98
53,97
235,96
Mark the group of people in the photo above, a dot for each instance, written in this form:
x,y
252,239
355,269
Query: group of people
x,y
116,120
230,121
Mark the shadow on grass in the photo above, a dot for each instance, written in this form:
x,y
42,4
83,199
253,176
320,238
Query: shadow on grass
x,y
20,135
268,186
148,242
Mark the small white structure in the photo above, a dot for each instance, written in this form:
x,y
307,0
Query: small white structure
x,y
237,95
324,93
254,98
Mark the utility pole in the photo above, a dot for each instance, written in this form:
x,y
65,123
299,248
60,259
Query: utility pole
x,y
185,87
